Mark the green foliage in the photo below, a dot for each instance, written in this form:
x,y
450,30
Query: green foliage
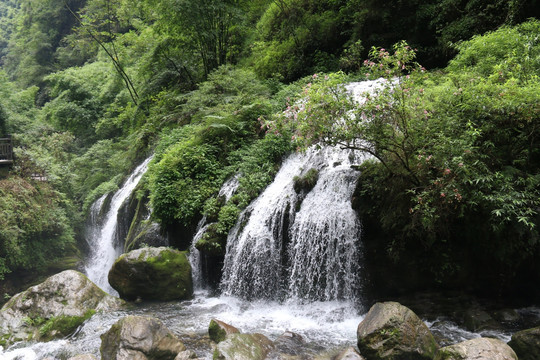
x,y
509,53
34,228
297,37
452,150
210,31
182,180
307,181
76,105
61,326
39,28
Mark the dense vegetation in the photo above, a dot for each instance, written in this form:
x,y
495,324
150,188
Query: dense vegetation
x,y
90,88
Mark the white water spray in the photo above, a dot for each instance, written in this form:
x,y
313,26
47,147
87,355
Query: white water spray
x,y
104,251
283,247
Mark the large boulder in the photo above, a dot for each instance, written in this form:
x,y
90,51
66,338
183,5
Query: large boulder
x,y
139,338
55,308
526,344
243,347
218,330
477,349
393,331
153,274
476,319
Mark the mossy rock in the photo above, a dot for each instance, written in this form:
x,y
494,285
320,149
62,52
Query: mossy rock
x,y
307,181
140,337
53,309
479,348
243,347
62,326
392,331
218,330
526,344
153,274
212,242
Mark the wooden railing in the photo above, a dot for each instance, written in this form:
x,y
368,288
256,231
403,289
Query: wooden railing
x,y
6,151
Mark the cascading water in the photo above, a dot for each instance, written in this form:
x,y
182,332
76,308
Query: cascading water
x,y
252,266
226,192
103,234
286,246
325,236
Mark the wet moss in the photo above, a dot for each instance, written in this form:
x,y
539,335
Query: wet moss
x,y
60,326
212,241
162,275
216,333
307,181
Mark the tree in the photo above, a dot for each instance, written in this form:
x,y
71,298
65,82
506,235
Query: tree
x,y
457,150
39,29
210,29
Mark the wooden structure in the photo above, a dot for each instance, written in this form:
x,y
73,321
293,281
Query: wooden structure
x,y
6,151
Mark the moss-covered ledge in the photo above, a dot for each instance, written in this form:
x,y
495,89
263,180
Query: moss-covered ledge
x,y
150,273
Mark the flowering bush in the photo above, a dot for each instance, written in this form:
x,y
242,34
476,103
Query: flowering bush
x,y
455,150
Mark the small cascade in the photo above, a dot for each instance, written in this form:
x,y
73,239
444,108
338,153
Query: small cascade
x,y
324,250
227,191
102,235
289,245
285,246
252,267
195,255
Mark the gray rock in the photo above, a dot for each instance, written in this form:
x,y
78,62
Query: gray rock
x,y
289,345
507,315
526,344
477,349
140,338
243,347
218,330
393,331
349,354
478,319
152,274
54,308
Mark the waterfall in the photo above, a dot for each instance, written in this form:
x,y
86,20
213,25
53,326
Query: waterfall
x,y
102,235
289,245
227,191
324,248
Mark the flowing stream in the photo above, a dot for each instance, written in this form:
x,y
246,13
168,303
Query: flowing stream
x,y
293,263
103,243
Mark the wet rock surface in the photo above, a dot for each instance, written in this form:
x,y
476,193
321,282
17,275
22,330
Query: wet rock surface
x,y
54,308
218,330
349,354
526,344
140,338
83,357
244,347
393,331
152,274
477,349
